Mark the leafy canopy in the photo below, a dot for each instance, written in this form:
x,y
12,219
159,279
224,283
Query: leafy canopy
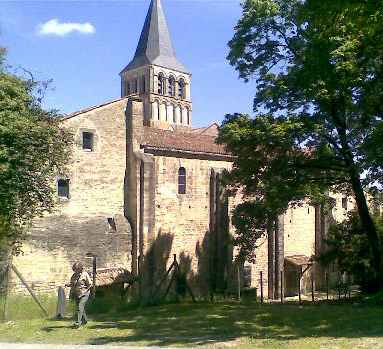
x,y
318,68
348,247
34,148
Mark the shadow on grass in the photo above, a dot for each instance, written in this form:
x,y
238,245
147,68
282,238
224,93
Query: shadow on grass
x,y
55,328
200,324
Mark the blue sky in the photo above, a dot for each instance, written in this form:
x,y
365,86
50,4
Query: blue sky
x,y
85,65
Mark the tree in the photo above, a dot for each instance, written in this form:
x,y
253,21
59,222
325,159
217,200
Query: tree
x,y
318,68
34,148
348,247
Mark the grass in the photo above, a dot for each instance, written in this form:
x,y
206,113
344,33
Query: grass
x,y
239,325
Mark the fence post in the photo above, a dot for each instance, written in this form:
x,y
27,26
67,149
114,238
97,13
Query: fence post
x,y
326,277
261,288
299,286
6,291
281,286
139,278
94,266
239,283
312,287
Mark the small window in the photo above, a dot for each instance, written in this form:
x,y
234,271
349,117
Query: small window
x,y
112,224
182,181
344,203
63,188
127,87
87,141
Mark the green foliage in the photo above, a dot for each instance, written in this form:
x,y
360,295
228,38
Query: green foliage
x,y
34,148
347,246
318,68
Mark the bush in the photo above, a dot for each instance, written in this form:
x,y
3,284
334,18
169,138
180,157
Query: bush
x,y
348,247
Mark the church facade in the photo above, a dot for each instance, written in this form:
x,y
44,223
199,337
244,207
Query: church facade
x,y
144,185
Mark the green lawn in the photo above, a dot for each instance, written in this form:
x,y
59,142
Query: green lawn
x,y
247,325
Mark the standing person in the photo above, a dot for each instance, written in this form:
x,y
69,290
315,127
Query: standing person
x,y
80,284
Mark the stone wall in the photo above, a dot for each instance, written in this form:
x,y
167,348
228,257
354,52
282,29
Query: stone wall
x,y
79,224
182,222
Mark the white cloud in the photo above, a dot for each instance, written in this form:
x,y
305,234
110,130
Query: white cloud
x,y
54,27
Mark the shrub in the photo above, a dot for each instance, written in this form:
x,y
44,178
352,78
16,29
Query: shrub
x,y
348,246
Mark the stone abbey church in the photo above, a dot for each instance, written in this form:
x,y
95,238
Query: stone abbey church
x,y
144,185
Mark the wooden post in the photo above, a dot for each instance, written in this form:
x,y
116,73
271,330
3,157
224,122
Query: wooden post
x,y
29,289
94,276
139,278
261,288
312,287
5,309
299,285
281,286
239,283
339,286
326,276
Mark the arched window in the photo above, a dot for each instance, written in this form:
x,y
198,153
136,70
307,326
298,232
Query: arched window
x,y
135,85
143,84
181,180
188,115
181,89
174,114
172,86
161,84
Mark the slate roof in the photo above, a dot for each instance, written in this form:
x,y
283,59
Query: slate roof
x,y
155,46
181,141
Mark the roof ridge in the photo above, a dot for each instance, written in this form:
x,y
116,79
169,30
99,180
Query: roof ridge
x,y
85,110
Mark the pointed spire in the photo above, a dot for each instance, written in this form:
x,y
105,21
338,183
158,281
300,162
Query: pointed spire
x,y
155,45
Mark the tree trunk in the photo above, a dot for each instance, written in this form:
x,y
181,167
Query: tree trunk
x,y
361,202
367,224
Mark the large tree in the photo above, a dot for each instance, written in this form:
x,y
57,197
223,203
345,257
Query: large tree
x,y
318,108
34,148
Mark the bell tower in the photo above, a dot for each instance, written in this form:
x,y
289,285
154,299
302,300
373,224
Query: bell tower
x,y
156,75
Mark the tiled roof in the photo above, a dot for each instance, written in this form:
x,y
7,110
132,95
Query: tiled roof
x,y
181,141
299,260
108,276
